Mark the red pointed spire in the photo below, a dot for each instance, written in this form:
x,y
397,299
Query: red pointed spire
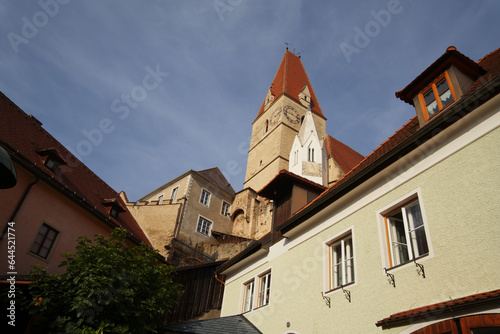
x,y
290,79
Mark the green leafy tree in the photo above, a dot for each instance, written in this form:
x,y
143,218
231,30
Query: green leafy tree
x,y
108,287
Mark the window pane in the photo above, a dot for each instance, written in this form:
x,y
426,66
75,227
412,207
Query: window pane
x,y
398,239
44,229
417,230
432,108
446,98
39,238
337,265
35,247
248,297
51,235
442,86
44,252
428,96
349,262
174,193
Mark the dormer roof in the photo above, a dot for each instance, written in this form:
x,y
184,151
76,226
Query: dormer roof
x,y
290,80
449,58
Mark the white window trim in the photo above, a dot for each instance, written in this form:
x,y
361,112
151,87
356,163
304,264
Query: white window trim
x,y
209,197
256,290
414,194
176,189
243,295
209,228
229,209
326,259
160,199
259,279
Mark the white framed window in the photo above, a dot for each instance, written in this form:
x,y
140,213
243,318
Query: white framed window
x,y
204,226
340,266
44,241
247,296
160,199
264,289
205,197
173,196
405,231
310,154
226,209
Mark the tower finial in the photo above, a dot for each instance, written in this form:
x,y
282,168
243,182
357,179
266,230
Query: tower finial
x,y
286,45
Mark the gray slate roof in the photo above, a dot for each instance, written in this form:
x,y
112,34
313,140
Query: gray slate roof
x,y
225,325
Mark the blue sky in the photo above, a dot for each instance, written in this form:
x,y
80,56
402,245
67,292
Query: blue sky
x,y
143,91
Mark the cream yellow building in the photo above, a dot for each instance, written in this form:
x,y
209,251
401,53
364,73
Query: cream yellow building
x,y
407,241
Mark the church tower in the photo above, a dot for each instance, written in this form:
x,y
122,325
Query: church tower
x,y
279,120
289,120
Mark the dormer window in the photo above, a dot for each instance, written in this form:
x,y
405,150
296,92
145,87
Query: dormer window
x,y
51,164
114,207
269,99
437,96
442,84
305,97
51,158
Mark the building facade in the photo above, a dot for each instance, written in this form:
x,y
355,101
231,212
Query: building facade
x,y
188,219
407,241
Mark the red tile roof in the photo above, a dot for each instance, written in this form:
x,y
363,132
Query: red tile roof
x,y
344,156
290,79
28,142
449,305
491,64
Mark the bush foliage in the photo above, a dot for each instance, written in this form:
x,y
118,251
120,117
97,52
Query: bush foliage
x,y
108,287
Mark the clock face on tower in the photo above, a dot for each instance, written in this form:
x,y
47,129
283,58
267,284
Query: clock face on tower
x,y
275,116
291,114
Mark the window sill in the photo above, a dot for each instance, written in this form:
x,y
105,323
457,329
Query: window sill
x,y
261,307
339,288
412,261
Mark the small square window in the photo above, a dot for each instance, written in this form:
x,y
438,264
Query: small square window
x,y
205,198
247,296
204,226
226,208
44,241
341,261
405,230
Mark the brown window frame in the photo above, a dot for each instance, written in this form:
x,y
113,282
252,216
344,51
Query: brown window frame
x,y
433,87
37,251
